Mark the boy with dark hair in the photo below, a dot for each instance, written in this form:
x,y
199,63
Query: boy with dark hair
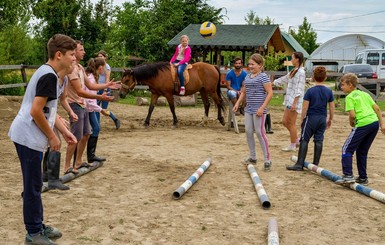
x,y
32,131
365,118
313,118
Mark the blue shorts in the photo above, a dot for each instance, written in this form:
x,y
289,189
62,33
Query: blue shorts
x,y
314,125
232,94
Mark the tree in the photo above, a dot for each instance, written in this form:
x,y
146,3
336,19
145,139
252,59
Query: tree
x,y
57,16
13,12
93,25
253,19
306,36
145,27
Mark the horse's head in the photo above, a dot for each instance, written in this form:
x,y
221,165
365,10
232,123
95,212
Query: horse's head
x,y
128,82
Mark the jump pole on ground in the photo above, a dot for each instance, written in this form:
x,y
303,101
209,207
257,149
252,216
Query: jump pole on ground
x,y
379,196
70,176
263,198
181,190
272,232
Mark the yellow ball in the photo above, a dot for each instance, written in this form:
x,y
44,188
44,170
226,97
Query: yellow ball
x,y
208,29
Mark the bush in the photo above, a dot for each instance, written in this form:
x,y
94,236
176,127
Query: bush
x,y
7,77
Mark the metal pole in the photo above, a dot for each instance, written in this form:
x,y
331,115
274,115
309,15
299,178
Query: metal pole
x,y
379,196
263,198
70,176
272,232
178,193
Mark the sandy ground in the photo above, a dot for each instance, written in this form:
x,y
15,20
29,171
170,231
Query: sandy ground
x,y
129,199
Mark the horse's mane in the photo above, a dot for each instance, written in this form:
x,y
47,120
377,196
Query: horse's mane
x,y
149,70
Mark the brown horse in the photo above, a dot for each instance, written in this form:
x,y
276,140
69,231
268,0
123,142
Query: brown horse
x,y
203,77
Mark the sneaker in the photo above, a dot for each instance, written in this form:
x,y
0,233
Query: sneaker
x,y
267,166
182,91
250,160
38,239
117,123
289,148
362,181
345,179
51,232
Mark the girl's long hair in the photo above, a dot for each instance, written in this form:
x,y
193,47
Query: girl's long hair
x,y
93,65
299,56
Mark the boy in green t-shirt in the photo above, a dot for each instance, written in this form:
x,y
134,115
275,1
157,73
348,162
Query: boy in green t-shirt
x,y
365,118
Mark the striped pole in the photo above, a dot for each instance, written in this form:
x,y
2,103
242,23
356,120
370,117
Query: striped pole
x,y
70,176
379,196
272,232
178,193
263,198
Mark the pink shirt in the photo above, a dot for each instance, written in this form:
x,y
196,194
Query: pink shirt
x,y
187,54
92,104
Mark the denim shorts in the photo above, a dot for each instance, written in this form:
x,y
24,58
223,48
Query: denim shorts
x,y
232,94
82,126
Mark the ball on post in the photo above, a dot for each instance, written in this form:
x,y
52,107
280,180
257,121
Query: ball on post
x,y
208,29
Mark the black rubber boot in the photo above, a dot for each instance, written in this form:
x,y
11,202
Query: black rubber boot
x,y
53,172
317,152
91,148
268,124
302,151
45,166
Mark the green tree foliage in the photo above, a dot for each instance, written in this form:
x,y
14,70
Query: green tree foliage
x,y
13,12
143,28
306,36
94,25
273,62
253,19
16,46
57,16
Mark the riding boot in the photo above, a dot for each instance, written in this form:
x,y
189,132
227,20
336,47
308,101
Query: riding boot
x,y
268,124
53,171
45,166
317,152
298,166
116,121
91,148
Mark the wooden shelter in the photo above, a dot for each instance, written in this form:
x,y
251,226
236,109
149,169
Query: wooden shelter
x,y
245,38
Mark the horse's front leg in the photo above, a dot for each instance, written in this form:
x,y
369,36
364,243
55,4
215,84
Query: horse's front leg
x,y
170,100
154,99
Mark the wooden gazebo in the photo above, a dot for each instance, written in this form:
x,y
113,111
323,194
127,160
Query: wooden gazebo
x,y
245,38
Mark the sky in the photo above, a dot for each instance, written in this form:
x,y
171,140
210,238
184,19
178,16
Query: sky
x,y
328,18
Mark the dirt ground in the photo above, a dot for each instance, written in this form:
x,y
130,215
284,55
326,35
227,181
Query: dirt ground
x,y
129,199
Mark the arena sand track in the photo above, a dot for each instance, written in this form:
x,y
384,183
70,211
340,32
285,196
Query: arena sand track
x,y
129,199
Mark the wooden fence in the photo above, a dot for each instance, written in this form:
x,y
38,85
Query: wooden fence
x,y
377,96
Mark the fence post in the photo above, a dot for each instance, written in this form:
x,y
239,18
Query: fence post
x,y
23,74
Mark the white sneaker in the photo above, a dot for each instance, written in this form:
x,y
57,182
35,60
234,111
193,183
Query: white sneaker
x,y
182,91
289,148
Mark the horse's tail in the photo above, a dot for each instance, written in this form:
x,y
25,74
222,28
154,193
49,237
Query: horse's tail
x,y
219,92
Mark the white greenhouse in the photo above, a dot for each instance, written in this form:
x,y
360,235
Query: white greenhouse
x,y
342,50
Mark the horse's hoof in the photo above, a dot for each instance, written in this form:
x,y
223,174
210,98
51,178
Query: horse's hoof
x,y
145,125
222,121
174,126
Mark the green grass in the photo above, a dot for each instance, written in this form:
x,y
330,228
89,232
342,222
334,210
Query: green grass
x,y
276,100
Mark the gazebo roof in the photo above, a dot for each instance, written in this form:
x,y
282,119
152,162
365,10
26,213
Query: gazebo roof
x,y
230,37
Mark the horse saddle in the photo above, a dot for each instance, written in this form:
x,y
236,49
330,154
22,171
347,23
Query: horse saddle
x,y
174,76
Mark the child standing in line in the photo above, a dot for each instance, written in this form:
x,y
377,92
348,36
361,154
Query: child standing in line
x,y
365,118
104,77
32,131
313,118
94,69
295,81
258,92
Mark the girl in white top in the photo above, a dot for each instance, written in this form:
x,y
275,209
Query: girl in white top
x,y
295,81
